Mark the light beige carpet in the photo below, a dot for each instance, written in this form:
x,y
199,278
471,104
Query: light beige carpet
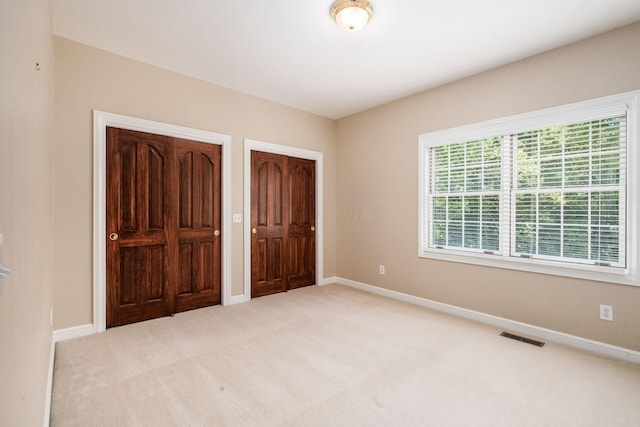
x,y
332,356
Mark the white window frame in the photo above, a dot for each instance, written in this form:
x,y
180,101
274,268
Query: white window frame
x,y
628,103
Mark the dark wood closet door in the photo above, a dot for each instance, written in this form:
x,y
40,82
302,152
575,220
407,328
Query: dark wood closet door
x,y
282,223
163,224
268,224
139,258
199,241
302,221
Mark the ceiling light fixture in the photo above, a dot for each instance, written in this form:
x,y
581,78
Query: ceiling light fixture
x,y
351,15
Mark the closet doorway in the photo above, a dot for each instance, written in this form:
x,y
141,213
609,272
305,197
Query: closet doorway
x,y
163,221
283,223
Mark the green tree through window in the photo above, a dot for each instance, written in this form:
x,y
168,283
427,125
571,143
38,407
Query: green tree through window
x,y
567,191
466,195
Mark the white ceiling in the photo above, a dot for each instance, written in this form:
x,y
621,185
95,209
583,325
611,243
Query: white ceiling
x,y
291,52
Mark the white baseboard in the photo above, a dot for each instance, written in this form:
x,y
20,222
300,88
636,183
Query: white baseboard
x,y
238,299
328,281
523,328
47,402
73,332
56,337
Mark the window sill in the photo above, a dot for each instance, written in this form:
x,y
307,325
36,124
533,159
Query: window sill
x,y
587,272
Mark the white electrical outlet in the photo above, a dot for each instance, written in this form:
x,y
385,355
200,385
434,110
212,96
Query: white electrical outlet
x,y
606,312
381,270
237,217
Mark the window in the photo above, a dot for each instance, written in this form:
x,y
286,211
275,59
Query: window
x,y
555,191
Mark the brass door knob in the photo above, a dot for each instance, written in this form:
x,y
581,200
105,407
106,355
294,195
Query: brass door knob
x,y
216,233
254,231
313,228
113,236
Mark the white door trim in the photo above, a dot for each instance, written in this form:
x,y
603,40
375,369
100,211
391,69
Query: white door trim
x,y
101,120
249,145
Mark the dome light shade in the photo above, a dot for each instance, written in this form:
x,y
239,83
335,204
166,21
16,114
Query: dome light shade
x,y
352,15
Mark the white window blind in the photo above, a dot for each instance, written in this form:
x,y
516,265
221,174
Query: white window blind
x,y
550,191
569,192
465,195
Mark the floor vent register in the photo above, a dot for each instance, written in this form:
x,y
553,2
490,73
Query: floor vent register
x,y
523,339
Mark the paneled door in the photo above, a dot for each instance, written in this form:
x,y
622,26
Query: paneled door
x,y
199,244
163,220
282,223
301,263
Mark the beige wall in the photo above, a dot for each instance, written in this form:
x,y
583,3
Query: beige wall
x,y
377,195
88,79
371,216
25,208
